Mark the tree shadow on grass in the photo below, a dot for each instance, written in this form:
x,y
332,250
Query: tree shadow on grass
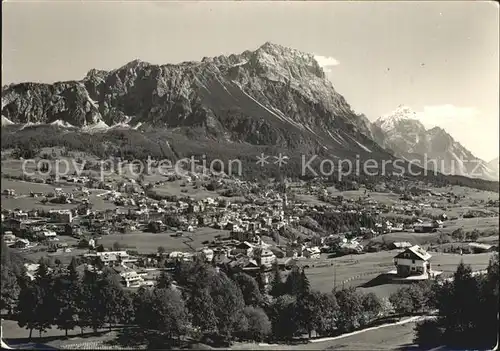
x,y
131,337
38,342
381,279
143,339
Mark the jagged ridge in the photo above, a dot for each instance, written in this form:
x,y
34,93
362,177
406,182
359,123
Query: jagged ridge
x,y
271,96
403,133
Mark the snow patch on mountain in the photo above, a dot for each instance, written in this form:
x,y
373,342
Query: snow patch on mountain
x,y
390,121
6,121
30,124
362,146
407,137
97,127
240,64
61,123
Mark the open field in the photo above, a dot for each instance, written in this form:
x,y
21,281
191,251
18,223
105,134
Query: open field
x,y
471,200
468,224
411,237
29,203
359,269
387,338
488,226
175,188
24,188
385,198
64,257
491,239
471,194
453,211
310,199
23,201
149,242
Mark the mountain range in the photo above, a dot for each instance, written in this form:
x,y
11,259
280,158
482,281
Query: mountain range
x,y
273,98
433,148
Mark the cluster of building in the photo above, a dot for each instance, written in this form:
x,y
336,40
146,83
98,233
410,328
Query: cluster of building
x,y
263,214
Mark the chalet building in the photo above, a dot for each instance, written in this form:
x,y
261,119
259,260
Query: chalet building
x,y
131,279
427,227
244,248
9,238
265,257
412,261
294,250
206,253
20,214
245,236
400,245
20,243
481,247
61,216
9,192
311,252
13,224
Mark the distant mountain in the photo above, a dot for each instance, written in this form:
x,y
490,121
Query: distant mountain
x,y
494,166
270,100
403,133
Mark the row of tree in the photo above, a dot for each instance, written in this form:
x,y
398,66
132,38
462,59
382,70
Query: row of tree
x,y
198,300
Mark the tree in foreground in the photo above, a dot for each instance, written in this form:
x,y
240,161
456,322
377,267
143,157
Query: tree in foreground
x,y
372,307
10,288
402,301
316,311
201,308
468,311
283,316
168,313
228,303
350,304
249,288
258,324
92,313
67,292
277,285
26,310
164,280
113,300
35,308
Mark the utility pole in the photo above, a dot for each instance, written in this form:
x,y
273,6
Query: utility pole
x,y
334,277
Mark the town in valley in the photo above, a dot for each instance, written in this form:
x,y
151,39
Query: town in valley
x,y
227,196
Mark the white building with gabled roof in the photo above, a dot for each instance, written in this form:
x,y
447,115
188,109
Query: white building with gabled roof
x,y
413,261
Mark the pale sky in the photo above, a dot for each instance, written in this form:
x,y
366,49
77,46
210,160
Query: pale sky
x,y
439,58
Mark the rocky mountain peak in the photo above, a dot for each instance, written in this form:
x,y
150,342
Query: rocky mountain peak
x,y
438,131
271,95
402,120
407,137
286,61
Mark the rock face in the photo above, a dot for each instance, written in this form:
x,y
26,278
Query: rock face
x,y
494,166
271,96
403,133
